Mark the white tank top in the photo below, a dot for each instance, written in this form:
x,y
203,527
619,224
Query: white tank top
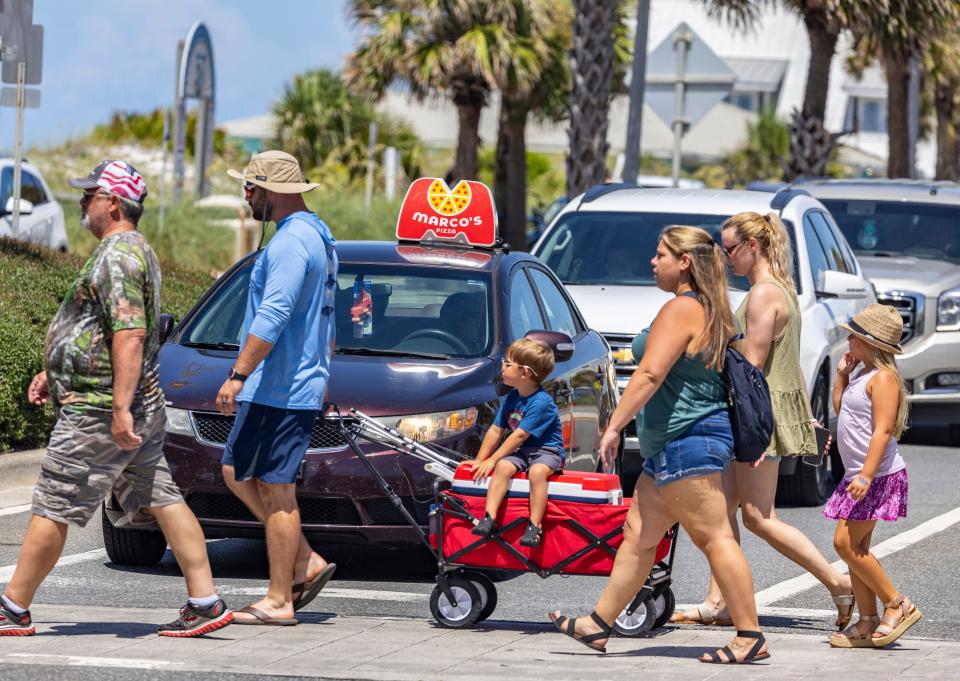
x,y
855,428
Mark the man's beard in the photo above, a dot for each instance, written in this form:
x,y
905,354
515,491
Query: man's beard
x,y
263,213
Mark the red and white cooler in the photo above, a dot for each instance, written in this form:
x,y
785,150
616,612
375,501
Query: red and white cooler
x,y
576,486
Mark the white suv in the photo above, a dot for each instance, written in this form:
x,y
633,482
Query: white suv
x,y
41,217
600,246
906,234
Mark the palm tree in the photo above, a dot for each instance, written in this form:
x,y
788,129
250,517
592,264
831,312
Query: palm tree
x,y
810,144
535,80
942,74
592,68
434,47
897,37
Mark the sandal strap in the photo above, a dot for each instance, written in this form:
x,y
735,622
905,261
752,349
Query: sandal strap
x,y
896,602
600,623
844,599
760,640
571,630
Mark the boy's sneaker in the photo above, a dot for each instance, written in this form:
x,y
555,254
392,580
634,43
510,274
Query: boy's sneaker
x,y
12,624
195,621
485,527
533,536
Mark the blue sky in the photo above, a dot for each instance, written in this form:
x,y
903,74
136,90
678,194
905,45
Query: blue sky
x,y
105,55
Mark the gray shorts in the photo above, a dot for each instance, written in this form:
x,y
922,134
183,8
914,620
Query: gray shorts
x,y
83,465
525,457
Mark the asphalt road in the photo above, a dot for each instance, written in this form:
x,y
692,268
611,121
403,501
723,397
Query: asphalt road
x,y
398,583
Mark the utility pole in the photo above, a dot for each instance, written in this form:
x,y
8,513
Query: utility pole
x,y
638,82
681,43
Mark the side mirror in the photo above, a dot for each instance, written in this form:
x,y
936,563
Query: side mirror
x,y
25,207
165,327
561,344
841,285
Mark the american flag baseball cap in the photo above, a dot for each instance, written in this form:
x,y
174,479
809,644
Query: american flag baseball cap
x,y
117,177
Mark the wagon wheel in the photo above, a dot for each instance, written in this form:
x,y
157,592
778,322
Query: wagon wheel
x,y
664,604
464,609
637,622
488,593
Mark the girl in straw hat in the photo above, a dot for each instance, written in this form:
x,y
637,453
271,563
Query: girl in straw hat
x,y
871,404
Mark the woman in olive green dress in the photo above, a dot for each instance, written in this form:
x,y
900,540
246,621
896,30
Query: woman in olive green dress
x,y
757,246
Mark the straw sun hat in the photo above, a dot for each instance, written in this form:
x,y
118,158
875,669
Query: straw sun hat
x,y
878,325
275,171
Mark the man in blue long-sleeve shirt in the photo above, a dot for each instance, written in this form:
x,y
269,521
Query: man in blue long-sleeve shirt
x,y
278,383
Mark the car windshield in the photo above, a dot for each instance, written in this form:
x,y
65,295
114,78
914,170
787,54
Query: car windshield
x,y
380,310
593,248
893,228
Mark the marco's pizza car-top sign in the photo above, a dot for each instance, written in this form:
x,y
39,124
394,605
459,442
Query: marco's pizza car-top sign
x,y
432,211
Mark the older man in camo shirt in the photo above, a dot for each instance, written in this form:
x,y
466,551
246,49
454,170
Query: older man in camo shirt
x,y
102,374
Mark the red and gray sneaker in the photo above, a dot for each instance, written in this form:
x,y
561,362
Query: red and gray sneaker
x,y
12,624
195,621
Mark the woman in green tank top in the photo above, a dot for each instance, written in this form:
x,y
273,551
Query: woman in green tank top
x,y
758,247
686,442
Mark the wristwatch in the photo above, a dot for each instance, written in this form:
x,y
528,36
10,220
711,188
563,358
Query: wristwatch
x,y
235,375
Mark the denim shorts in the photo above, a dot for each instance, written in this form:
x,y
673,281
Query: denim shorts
x,y
705,448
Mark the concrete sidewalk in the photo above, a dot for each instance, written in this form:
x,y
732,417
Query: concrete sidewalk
x,y
329,646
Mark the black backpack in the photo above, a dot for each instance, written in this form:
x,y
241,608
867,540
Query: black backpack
x,y
751,415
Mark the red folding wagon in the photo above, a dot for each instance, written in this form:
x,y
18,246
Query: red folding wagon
x,y
582,530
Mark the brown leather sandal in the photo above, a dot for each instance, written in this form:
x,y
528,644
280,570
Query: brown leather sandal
x,y
893,627
855,636
844,603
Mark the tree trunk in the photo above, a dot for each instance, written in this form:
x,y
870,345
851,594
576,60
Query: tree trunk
x,y
468,142
822,33
897,68
591,66
948,161
510,174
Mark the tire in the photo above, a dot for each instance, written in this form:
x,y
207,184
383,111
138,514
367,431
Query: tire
x,y
463,612
140,548
810,485
664,605
639,622
488,593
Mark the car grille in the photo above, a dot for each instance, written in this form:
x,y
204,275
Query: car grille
x,y
383,512
313,510
621,346
214,429
910,307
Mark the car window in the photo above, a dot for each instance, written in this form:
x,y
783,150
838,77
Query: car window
x,y
819,262
524,310
555,304
6,187
31,189
848,256
829,242
615,248
435,311
892,228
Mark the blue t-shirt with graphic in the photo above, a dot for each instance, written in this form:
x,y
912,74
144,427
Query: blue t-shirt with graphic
x,y
535,414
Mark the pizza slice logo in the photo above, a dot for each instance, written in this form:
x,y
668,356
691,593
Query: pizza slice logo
x,y
432,211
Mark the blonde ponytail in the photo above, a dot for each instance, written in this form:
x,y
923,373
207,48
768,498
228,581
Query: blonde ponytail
x,y
885,360
708,279
774,242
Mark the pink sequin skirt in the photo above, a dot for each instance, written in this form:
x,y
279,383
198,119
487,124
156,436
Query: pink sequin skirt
x,y
886,500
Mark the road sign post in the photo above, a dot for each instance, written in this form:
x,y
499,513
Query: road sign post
x,y
18,158
681,43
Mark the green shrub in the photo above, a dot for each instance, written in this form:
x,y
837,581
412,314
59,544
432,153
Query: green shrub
x,y
33,281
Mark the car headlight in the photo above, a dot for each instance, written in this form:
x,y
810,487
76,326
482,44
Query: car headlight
x,y
178,422
436,426
948,310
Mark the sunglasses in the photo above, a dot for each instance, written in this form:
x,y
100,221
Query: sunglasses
x,y
507,363
730,251
88,196
248,188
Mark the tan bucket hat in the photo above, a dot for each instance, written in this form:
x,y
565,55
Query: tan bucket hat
x,y
275,171
878,325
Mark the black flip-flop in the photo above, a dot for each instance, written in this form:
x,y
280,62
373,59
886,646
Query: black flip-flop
x,y
263,619
309,590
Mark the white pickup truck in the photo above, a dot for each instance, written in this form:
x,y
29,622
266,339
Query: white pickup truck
x,y
600,247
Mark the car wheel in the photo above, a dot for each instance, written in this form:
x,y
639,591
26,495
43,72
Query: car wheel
x,y
142,548
809,485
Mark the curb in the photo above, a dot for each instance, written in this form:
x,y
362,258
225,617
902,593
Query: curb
x,y
17,466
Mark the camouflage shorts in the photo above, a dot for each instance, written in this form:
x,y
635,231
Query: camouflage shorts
x,y
83,465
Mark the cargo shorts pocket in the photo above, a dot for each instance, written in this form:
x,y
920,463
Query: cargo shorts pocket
x,y
60,483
